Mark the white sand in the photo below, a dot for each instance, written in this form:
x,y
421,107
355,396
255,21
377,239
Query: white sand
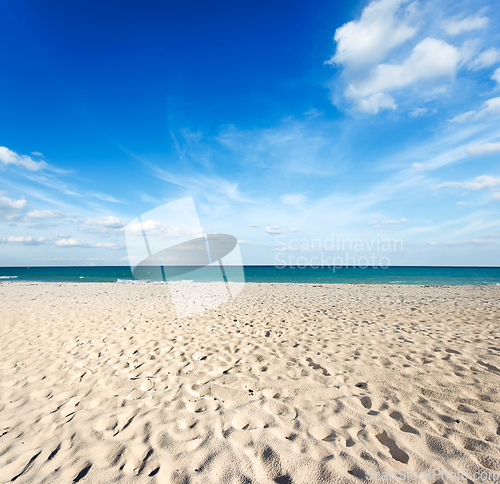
x,y
287,383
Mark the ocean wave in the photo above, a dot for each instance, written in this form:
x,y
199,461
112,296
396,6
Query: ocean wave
x,y
8,277
130,281
149,281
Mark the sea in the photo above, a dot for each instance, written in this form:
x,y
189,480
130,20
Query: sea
x,y
272,274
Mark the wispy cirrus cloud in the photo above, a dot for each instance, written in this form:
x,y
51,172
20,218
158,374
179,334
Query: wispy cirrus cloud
x,y
294,199
385,223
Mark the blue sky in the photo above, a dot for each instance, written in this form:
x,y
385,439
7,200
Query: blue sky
x,y
288,122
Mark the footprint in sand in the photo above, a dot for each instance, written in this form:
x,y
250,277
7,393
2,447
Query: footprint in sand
x,y
396,453
408,429
316,367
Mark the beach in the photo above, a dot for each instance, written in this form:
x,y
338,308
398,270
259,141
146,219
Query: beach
x,y
287,383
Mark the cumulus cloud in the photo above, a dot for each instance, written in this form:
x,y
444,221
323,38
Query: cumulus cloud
x,y
23,240
491,107
485,149
109,222
70,242
487,58
479,183
45,214
11,209
9,157
384,60
473,22
383,26
274,229
430,60
496,76
374,103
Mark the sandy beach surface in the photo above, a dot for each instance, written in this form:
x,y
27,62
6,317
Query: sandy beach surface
x,y
288,383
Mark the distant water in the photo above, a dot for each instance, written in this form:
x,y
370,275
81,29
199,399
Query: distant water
x,y
320,275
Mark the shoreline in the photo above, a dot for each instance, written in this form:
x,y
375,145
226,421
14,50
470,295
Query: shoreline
x,y
317,284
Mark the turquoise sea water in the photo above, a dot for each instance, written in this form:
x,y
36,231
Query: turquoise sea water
x,y
321,275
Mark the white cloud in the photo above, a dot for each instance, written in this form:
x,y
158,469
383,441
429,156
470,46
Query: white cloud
x,y
77,243
150,226
8,157
479,183
109,222
431,59
7,203
36,153
417,112
463,203
44,214
293,199
491,107
473,22
253,225
274,230
11,209
374,103
22,240
384,223
68,243
293,229
496,76
105,198
366,41
485,149
485,59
